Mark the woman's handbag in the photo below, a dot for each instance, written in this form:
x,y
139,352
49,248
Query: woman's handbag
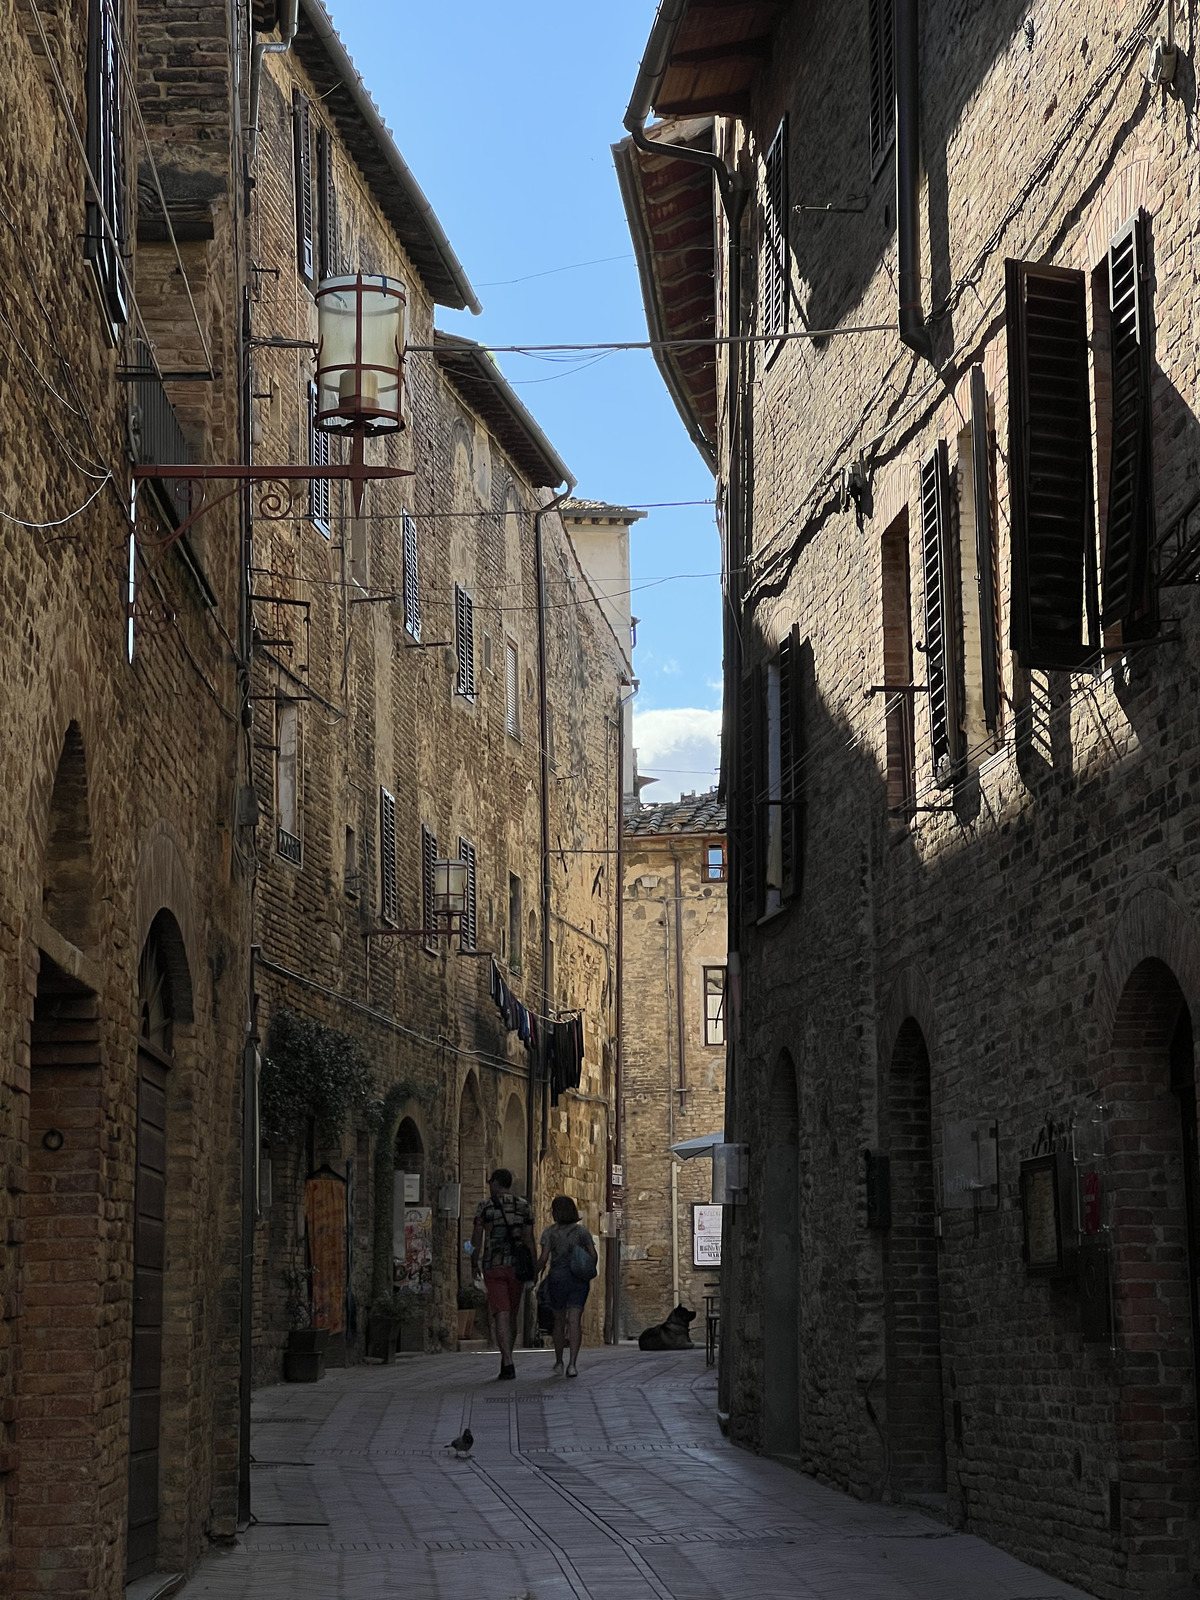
x,y
582,1263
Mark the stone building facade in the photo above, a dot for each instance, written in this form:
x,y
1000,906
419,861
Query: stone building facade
x,y
961,742
673,954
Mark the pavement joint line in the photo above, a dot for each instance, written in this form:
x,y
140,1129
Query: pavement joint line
x,y
563,1560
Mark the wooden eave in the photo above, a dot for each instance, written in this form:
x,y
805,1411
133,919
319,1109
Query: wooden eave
x,y
486,391
715,56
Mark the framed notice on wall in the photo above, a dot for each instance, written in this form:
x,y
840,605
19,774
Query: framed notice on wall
x,y
1045,1203
706,1236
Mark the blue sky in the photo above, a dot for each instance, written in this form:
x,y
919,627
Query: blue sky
x,y
506,113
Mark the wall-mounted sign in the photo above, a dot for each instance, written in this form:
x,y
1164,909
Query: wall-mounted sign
x,y
1048,1215
706,1236
970,1167
412,1188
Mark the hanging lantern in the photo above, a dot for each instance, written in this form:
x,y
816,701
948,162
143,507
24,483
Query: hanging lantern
x,y
449,888
361,326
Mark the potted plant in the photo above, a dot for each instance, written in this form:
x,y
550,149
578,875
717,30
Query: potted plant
x,y
383,1325
471,1299
304,1358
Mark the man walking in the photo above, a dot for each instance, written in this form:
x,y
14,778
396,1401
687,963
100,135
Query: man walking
x,y
506,1259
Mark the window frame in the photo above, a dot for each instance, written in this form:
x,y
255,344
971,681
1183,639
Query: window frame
x,y
943,621
881,82
512,688
713,1021
468,927
389,892
412,579
721,872
329,253
464,644
302,168
320,454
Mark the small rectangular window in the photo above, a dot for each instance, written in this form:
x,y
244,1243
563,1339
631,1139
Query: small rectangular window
x,y
897,683
412,588
302,141
287,780
514,922
775,241
512,684
389,907
104,234
330,243
428,886
464,643
714,863
881,55
468,928
714,1005
320,454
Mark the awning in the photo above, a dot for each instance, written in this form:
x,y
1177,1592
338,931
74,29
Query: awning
x,y
704,1146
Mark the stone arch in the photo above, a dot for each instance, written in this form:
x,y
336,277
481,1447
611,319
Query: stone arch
x,y
911,999
1152,924
162,884
513,1144
67,878
781,1262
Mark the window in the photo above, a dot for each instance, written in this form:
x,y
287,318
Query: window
x,y
412,590
897,668
714,1005
512,679
982,482
302,139
330,243
881,50
514,922
104,234
464,643
320,454
1050,466
714,863
428,884
468,928
942,618
389,907
775,241
772,781
287,793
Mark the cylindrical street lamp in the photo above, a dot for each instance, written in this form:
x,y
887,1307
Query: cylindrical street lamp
x,y
361,327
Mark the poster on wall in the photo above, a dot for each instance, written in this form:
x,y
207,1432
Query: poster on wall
x,y
706,1236
415,1271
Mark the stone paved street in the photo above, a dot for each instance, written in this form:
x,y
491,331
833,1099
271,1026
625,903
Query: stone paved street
x,y
617,1486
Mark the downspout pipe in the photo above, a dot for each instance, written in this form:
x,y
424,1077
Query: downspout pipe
x,y
911,318
289,21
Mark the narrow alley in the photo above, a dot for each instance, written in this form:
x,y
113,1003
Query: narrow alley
x,y
616,1487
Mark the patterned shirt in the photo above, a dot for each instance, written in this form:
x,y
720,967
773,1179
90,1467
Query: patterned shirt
x,y
506,1220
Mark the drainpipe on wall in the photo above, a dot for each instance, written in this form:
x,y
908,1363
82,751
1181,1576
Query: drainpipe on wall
x,y
289,21
911,318
613,1243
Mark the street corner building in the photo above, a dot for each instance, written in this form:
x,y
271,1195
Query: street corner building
x,y
673,955
952,417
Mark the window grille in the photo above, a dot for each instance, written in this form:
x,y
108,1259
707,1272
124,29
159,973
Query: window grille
x,y
412,591
881,51
1129,596
512,681
775,240
714,1005
985,549
302,137
104,233
942,623
428,883
320,454
330,251
1050,464
389,900
468,927
464,643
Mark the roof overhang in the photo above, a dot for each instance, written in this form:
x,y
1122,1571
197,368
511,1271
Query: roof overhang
x,y
703,57
366,136
485,389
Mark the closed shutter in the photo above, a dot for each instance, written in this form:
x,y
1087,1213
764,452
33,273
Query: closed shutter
x,y
1129,596
751,778
881,48
464,642
985,550
320,454
388,899
1050,467
330,252
104,233
412,591
942,621
302,136
428,884
512,702
791,762
469,926
775,237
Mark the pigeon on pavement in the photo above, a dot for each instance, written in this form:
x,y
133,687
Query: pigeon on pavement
x,y
462,1445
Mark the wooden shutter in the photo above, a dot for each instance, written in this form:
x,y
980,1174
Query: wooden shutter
x,y
512,685
469,926
775,237
1129,596
320,454
103,243
791,761
428,857
881,47
751,840
302,136
464,642
985,550
388,899
412,592
330,253
942,620
1050,465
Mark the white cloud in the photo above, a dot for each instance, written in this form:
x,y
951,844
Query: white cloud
x,y
681,748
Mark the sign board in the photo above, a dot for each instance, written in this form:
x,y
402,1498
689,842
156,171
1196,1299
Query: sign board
x,y
412,1188
706,1236
969,1166
416,1270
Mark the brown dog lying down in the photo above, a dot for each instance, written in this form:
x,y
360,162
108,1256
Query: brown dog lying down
x,y
673,1334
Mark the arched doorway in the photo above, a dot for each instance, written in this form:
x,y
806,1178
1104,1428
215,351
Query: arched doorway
x,y
780,1232
472,1165
915,1413
512,1144
1152,1205
409,1185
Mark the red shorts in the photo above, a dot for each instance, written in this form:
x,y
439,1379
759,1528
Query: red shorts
x,y
504,1289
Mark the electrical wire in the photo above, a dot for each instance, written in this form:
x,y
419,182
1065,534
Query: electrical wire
x,y
428,601
71,515
607,345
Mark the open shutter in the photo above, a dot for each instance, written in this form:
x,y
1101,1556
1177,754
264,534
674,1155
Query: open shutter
x,y
464,642
428,882
104,235
1129,538
512,712
388,901
469,926
942,621
412,592
791,762
330,254
881,46
302,136
751,840
1050,467
985,550
320,454
775,237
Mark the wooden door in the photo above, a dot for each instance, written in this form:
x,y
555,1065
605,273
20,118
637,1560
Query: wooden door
x,y
149,1258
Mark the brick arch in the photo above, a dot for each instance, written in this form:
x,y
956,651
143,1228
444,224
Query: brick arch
x,y
910,998
162,884
1129,188
1152,925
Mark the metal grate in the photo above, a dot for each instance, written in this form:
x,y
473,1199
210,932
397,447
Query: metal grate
x,y
156,436
288,846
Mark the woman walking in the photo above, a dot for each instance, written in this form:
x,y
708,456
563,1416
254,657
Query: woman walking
x,y
570,1251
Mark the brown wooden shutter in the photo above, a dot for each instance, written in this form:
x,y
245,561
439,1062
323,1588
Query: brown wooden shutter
x,y
330,252
469,926
881,48
775,237
388,899
302,136
464,642
985,550
412,591
942,620
791,761
1049,460
750,794
1129,595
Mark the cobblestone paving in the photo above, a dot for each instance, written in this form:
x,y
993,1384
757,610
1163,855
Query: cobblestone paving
x,y
614,1486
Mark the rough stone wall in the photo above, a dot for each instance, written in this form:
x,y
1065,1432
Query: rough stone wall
x,y
117,805
663,1105
1007,928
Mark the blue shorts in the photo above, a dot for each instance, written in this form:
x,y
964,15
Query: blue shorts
x,y
564,1289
